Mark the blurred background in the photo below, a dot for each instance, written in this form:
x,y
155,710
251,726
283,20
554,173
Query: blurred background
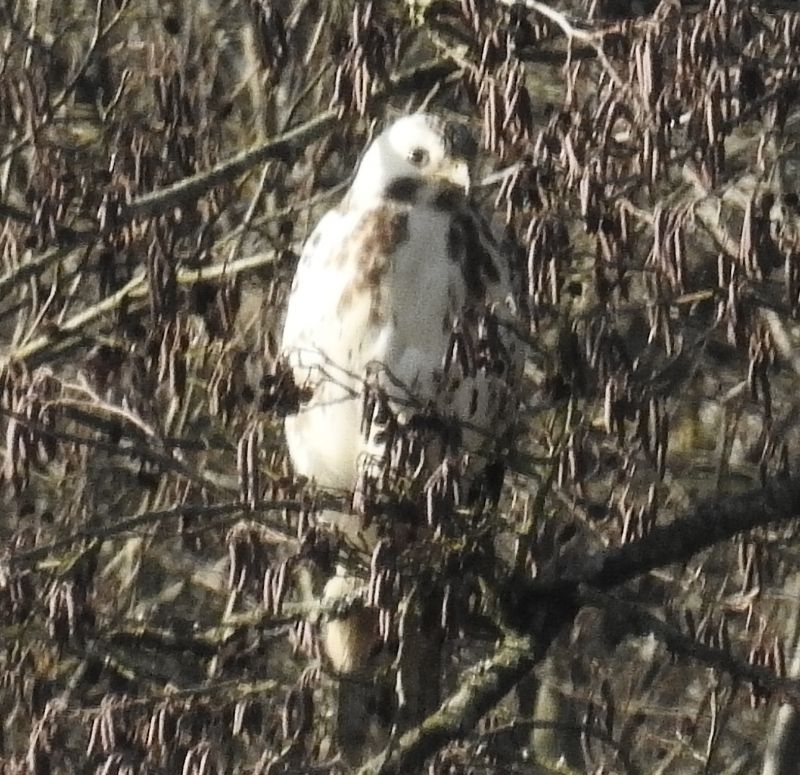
x,y
161,165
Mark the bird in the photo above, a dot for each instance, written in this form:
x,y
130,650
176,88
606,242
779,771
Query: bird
x,y
403,314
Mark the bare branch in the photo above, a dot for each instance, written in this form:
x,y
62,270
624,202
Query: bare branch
x,y
279,147
149,519
135,288
644,623
481,688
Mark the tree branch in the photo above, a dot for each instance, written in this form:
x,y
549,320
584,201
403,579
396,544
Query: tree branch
x,y
712,522
481,688
543,609
592,37
643,622
193,187
136,288
275,148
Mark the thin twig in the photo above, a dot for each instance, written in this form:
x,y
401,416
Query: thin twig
x,y
592,37
152,518
37,266
77,322
135,288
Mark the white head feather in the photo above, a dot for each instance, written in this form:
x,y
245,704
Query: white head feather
x,y
419,147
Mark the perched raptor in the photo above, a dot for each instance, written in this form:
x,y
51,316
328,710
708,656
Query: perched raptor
x,y
402,291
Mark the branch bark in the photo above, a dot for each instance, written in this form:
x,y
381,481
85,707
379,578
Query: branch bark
x,y
712,522
275,148
480,690
540,610
641,621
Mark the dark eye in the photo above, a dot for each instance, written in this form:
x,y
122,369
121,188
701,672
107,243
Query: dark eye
x,y
418,156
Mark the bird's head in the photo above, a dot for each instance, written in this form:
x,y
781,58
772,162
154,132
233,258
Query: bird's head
x,y
420,147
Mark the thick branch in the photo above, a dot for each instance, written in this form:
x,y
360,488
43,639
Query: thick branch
x,y
481,688
36,266
135,288
64,234
280,147
194,187
644,623
712,522
544,608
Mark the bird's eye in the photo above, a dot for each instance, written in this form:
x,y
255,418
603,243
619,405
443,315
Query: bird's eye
x,y
418,156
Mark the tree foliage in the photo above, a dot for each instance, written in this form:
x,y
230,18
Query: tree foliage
x,y
631,605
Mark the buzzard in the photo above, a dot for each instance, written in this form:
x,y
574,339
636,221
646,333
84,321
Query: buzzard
x,y
403,307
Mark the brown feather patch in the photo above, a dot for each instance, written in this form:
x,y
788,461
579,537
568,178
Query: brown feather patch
x,y
379,234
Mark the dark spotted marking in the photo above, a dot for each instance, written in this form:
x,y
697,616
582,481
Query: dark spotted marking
x,y
381,232
449,199
404,190
464,244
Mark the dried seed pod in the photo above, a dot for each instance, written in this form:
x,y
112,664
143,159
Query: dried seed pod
x,y
610,706
778,658
298,712
628,533
723,636
268,591
271,30
242,467
691,629
254,442
18,455
368,402
248,553
279,587
95,744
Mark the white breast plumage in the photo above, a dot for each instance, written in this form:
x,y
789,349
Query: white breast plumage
x,y
403,292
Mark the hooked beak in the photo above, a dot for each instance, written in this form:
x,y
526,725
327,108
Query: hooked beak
x,y
456,172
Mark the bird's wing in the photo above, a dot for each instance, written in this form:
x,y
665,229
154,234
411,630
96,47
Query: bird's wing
x,y
482,366
315,281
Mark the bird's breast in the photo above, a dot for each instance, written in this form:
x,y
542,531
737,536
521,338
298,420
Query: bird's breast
x,y
382,303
